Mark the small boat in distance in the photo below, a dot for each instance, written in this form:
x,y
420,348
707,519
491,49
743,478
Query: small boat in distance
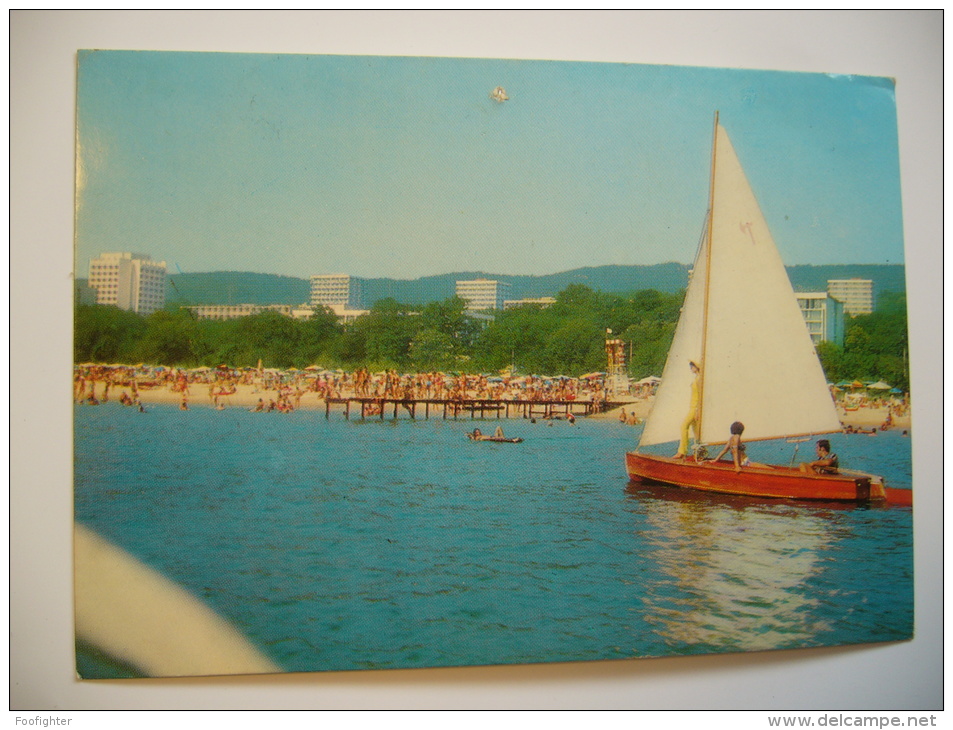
x,y
742,353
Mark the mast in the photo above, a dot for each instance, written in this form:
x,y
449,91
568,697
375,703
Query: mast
x,y
711,221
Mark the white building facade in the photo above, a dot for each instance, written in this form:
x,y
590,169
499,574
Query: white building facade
x,y
823,315
856,294
482,294
340,290
130,281
542,302
235,311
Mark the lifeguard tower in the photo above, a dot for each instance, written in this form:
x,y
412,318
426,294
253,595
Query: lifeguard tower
x,y
617,378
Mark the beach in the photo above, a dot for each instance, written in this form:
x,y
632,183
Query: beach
x,y
248,396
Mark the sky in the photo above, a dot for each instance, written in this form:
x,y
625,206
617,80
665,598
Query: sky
x,y
407,167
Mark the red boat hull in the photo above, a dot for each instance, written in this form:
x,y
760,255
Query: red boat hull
x,y
774,482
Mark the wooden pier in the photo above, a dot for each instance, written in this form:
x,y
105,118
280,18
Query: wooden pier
x,y
473,408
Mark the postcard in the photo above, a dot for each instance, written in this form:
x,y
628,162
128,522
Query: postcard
x,y
388,363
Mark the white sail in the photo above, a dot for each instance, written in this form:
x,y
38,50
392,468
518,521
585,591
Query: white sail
x,y
758,364
673,397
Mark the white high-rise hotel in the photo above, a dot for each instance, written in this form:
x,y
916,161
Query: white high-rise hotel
x,y
481,294
338,290
856,294
130,281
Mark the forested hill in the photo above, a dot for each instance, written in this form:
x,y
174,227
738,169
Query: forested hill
x,y
227,287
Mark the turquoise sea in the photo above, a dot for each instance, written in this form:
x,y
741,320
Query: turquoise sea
x,y
339,545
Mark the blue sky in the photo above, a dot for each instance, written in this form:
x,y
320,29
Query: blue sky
x,y
405,167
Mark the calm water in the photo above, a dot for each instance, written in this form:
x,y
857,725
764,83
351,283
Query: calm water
x,y
340,544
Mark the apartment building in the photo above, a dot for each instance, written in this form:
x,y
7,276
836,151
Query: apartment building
x,y
339,290
130,281
482,294
824,316
857,295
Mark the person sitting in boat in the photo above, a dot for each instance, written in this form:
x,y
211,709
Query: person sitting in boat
x,y
735,446
691,420
826,462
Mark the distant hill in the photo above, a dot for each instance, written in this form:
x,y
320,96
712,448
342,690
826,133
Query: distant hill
x,y
235,287
664,277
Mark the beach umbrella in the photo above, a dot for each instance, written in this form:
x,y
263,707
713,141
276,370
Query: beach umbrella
x,y
879,385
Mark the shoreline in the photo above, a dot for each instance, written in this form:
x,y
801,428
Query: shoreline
x,y
247,397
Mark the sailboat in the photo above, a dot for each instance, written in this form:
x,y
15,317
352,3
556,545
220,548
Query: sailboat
x,y
756,364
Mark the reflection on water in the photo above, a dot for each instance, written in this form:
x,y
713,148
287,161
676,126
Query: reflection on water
x,y
726,589
742,575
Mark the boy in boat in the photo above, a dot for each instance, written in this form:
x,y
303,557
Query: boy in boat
x,y
735,446
826,461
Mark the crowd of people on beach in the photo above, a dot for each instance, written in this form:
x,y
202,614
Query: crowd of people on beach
x,y
282,391
86,378
92,385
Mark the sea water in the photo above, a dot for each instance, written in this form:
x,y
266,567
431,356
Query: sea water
x,y
338,544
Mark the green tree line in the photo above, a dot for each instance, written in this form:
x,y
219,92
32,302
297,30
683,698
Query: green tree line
x,y
566,338
875,346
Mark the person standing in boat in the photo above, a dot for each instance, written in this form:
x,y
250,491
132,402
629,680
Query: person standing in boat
x,y
826,462
735,446
691,420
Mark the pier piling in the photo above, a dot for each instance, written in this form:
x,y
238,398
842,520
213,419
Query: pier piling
x,y
487,408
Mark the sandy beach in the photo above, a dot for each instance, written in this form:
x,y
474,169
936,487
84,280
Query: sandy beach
x,y
247,396
865,417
